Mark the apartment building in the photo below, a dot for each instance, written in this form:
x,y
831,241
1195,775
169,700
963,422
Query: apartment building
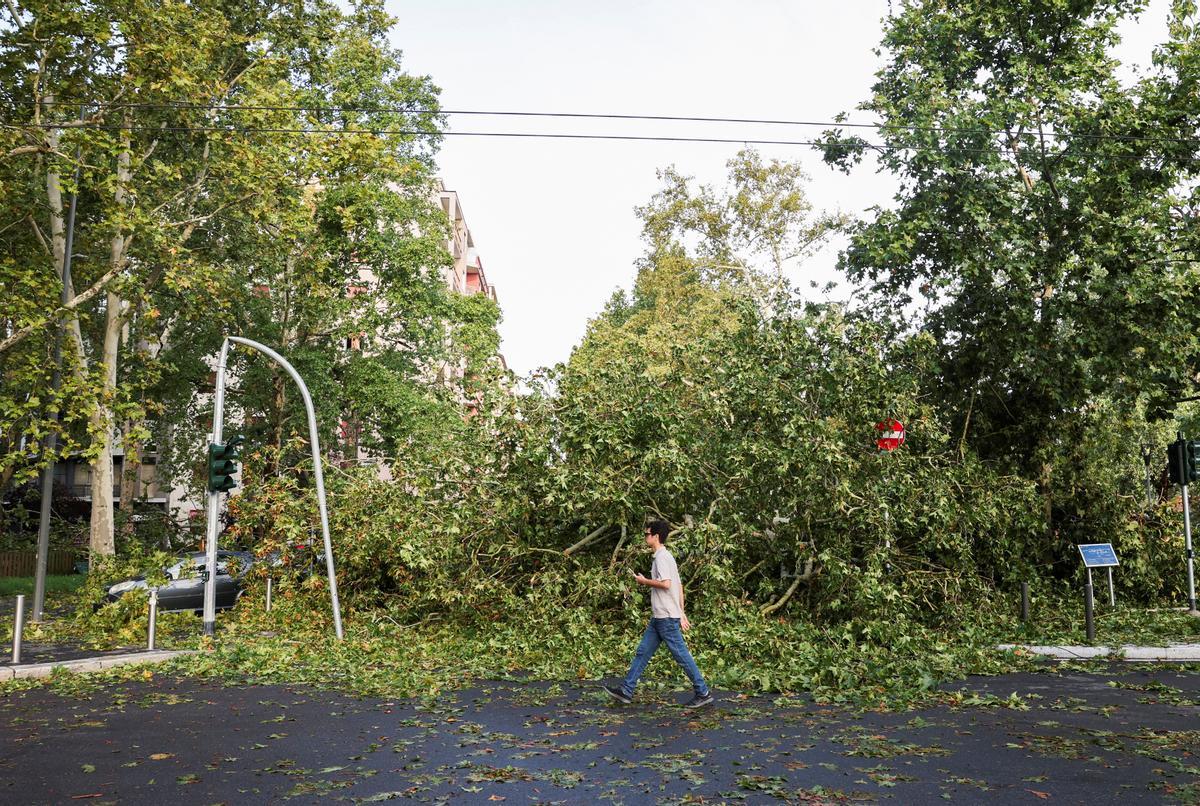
x,y
465,275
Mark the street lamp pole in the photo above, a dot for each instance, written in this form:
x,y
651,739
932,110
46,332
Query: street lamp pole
x,y
214,501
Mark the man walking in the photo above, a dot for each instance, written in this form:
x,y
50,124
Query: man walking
x,y
667,618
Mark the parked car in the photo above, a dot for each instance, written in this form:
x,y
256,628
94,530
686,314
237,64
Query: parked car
x,y
184,589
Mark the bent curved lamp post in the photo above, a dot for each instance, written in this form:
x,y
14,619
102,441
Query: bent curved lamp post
x,y
210,545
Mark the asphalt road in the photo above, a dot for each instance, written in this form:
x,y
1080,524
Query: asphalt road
x,y
1130,735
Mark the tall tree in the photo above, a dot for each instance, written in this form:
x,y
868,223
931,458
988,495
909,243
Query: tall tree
x,y
188,112
1044,230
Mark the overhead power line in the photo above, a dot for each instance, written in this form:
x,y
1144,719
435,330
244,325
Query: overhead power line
x,y
830,124
244,130
419,133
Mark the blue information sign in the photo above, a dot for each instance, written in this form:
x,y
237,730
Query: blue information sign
x,y
1098,555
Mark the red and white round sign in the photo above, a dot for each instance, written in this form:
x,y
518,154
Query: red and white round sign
x,y
890,434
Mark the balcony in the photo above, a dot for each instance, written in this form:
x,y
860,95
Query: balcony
x,y
83,490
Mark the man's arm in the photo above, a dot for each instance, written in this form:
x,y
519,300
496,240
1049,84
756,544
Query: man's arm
x,y
661,584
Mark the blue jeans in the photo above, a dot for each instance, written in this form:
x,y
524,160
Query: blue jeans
x,y
663,631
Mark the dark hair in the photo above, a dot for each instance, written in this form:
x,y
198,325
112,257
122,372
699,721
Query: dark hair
x,y
660,528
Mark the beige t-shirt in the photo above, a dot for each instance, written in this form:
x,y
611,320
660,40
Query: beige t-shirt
x,y
665,603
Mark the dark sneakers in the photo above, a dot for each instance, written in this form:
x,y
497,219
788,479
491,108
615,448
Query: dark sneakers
x,y
617,694
695,702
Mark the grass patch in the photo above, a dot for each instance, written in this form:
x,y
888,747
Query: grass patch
x,y
59,583
1058,620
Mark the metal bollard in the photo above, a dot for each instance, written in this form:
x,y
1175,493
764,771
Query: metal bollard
x,y
153,619
18,629
1089,612
1025,602
270,581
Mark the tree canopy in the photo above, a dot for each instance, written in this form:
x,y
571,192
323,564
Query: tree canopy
x,y
1043,234
238,168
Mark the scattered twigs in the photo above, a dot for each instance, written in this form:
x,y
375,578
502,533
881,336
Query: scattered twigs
x,y
754,568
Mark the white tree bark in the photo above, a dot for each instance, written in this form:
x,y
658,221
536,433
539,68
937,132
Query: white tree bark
x,y
102,537
58,229
58,247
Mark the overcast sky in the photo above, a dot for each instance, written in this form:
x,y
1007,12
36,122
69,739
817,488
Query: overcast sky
x,y
553,220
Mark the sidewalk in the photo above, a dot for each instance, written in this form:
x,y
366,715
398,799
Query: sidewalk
x,y
1174,653
39,658
82,661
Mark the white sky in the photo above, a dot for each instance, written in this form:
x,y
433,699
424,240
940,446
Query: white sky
x,y
553,220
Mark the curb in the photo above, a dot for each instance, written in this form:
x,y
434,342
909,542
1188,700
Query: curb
x,y
1175,653
81,665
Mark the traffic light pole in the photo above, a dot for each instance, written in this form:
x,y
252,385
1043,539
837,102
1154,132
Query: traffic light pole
x,y
1187,541
214,503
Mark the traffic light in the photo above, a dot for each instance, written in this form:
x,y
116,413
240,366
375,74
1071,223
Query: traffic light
x,y
1183,461
1175,462
222,465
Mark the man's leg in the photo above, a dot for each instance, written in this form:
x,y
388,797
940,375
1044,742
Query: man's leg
x,y
645,652
673,637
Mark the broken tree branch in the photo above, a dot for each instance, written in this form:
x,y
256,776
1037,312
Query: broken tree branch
x,y
613,562
808,574
592,536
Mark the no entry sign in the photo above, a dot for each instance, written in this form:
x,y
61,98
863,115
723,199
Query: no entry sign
x,y
890,434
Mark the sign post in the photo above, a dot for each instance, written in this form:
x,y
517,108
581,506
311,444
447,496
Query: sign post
x,y
1187,545
889,436
1096,555
214,504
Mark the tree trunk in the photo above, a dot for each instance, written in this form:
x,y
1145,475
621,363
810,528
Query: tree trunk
x,y
102,538
131,466
277,430
1048,503
130,470
58,225
58,246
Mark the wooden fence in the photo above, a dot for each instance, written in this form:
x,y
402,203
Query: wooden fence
x,y
23,563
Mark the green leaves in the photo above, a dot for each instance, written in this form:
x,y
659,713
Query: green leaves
x,y
217,203
1036,235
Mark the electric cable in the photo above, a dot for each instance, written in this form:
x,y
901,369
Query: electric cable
x,y
881,147
625,117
